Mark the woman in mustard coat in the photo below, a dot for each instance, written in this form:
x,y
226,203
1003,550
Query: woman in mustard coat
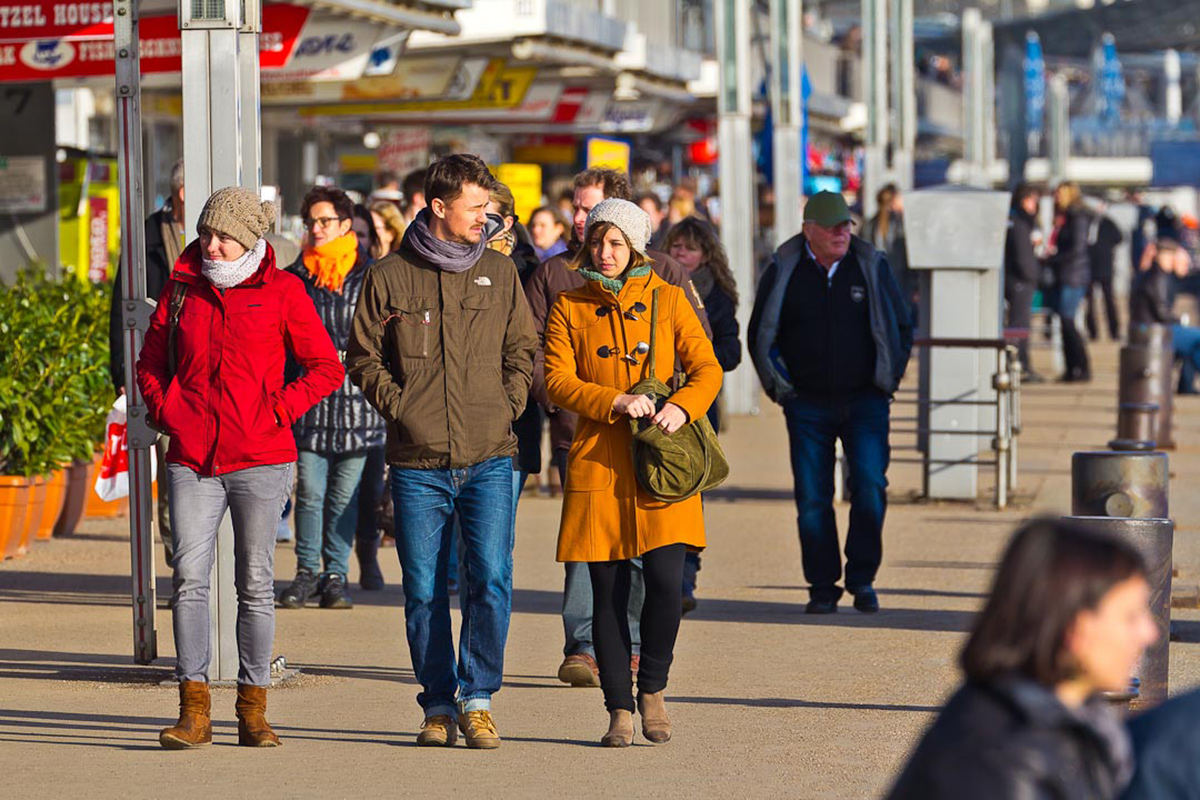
x,y
597,340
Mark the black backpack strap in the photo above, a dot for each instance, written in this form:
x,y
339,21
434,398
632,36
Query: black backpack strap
x,y
178,293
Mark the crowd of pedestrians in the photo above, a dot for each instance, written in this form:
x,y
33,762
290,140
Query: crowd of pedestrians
x,y
413,351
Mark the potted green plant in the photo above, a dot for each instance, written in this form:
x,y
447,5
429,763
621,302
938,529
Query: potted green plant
x,y
54,391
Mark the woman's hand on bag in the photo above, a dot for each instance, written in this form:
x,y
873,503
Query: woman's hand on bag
x,y
635,405
671,418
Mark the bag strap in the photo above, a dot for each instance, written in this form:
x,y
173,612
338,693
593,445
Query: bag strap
x,y
650,362
178,293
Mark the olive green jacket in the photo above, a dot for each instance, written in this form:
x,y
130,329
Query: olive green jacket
x,y
444,357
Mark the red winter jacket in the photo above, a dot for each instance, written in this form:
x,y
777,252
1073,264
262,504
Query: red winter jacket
x,y
220,410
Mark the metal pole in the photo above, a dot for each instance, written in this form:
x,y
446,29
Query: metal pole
x,y
135,318
1001,444
215,138
974,88
987,100
1106,484
875,95
736,172
1014,415
1173,96
904,96
786,99
1058,106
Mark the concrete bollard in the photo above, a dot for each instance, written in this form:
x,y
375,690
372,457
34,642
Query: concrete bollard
x,y
1154,538
1159,340
1105,484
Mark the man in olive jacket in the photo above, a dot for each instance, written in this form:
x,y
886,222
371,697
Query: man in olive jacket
x,y
442,346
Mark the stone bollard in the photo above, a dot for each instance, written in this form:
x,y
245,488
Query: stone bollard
x,y
1105,484
1154,538
1158,339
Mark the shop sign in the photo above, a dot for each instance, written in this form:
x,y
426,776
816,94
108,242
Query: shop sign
x,y
98,239
525,181
54,19
413,78
631,117
82,47
611,153
403,150
22,184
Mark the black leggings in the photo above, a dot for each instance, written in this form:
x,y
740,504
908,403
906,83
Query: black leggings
x,y
663,571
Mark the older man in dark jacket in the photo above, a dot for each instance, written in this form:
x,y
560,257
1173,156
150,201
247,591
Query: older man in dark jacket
x,y
830,338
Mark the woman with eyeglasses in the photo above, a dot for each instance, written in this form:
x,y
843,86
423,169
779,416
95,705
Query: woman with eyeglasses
x,y
597,343
335,437
1067,619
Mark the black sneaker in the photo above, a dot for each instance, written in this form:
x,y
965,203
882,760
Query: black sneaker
x,y
333,592
866,601
300,592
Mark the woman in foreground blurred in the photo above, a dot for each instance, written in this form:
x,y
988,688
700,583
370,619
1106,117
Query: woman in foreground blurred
x,y
1067,619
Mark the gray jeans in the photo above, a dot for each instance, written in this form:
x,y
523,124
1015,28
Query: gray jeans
x,y
254,498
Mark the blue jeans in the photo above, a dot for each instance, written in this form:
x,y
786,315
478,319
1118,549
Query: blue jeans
x,y
1066,300
327,510
1186,341
519,478
814,424
424,501
578,601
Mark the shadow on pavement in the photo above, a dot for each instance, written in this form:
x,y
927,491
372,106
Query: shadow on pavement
x,y
883,592
780,702
89,667
771,613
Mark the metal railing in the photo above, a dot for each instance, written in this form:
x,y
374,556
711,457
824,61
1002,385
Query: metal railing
x,y
1006,381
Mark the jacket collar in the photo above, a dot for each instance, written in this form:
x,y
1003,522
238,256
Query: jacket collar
x,y
188,269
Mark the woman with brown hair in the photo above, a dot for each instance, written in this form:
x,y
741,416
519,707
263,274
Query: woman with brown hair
x,y
1068,618
597,346
389,228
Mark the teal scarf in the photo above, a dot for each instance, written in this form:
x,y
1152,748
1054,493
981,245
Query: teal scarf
x,y
615,285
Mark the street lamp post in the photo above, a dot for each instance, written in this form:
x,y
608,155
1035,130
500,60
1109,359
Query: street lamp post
x,y
786,103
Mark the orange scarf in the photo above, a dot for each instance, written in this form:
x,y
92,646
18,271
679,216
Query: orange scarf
x,y
330,263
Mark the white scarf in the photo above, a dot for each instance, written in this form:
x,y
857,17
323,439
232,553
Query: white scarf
x,y
227,274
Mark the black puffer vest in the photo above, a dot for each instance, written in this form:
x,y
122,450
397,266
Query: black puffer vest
x,y
342,422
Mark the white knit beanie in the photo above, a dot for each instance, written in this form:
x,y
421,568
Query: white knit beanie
x,y
629,217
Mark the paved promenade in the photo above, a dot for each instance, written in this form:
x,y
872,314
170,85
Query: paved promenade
x,y
766,701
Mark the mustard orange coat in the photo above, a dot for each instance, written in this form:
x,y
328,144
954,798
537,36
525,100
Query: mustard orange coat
x,y
606,515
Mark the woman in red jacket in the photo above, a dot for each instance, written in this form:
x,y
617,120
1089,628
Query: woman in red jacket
x,y
230,317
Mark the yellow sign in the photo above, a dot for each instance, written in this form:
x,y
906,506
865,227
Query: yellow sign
x,y
608,153
525,182
499,87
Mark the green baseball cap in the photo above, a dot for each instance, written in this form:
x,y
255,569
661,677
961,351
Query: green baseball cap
x,y
827,209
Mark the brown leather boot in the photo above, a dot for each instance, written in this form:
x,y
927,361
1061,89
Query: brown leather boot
x,y
656,725
620,729
253,730
194,728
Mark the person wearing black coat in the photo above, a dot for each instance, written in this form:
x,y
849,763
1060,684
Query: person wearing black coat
x,y
695,245
1103,240
1167,751
164,244
1072,275
1067,619
1023,270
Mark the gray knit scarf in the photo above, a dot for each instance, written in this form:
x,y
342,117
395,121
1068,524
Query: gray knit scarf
x,y
227,274
446,256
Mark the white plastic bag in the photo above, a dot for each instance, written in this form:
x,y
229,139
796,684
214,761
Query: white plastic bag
x,y
112,479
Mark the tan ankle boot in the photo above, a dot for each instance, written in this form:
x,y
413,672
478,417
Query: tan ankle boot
x,y
253,730
194,728
620,729
656,725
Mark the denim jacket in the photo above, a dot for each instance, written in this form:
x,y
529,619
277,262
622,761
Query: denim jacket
x,y
891,325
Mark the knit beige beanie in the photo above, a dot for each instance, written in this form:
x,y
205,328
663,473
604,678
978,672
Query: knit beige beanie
x,y
237,213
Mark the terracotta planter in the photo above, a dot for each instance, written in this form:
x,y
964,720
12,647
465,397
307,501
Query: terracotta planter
x,y
14,503
56,494
75,494
95,506
33,513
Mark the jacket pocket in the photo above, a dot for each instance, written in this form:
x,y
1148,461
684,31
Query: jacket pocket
x,y
164,411
589,463
413,323
481,313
